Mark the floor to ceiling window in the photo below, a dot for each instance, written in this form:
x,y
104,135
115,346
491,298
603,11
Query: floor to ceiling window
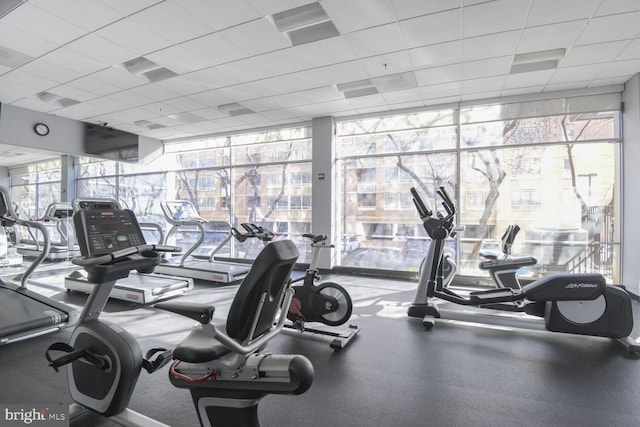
x,y
548,166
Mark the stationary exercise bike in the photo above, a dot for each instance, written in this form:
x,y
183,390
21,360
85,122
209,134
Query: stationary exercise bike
x,y
223,367
328,303
569,303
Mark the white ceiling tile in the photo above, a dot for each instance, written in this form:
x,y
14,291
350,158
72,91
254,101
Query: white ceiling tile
x,y
256,37
105,105
262,104
343,72
73,93
134,37
406,9
490,46
221,14
620,68
370,13
185,104
79,111
493,17
24,42
486,68
284,61
267,87
320,109
402,96
212,78
100,50
66,58
391,63
36,83
326,52
34,104
566,86
610,7
545,12
272,6
436,55
160,108
376,41
10,91
593,53
631,51
487,84
155,92
286,100
41,67
179,60
245,70
95,86
181,85
209,113
474,96
621,80
321,94
580,72
548,37
128,7
439,75
432,29
441,90
278,115
119,78
521,80
131,99
171,21
87,14
367,101
610,28
522,90
442,101
304,80
30,19
211,98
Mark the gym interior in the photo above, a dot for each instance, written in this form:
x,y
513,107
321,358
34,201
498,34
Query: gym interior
x,y
342,212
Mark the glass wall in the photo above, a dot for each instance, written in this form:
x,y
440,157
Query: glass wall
x,y
34,187
548,166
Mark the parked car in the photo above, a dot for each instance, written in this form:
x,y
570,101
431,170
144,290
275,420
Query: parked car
x,y
350,243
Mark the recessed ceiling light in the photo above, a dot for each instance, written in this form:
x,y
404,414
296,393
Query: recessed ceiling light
x,y
148,69
52,98
235,109
396,82
11,58
304,24
536,61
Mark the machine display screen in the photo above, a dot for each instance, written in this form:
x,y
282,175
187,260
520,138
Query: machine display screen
x,y
103,231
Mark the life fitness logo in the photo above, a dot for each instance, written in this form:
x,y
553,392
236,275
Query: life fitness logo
x,y
580,285
42,416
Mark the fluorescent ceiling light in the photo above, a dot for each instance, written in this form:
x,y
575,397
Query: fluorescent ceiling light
x,y
7,6
147,124
304,24
52,98
536,61
186,117
395,82
357,88
11,58
235,109
151,71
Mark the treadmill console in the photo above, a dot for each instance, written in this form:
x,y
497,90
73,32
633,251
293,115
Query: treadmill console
x,y
102,231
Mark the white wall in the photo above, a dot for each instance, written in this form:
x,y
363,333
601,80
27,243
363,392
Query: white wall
x,y
16,128
630,193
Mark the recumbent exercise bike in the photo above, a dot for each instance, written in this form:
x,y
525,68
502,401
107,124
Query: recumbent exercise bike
x,y
569,303
225,368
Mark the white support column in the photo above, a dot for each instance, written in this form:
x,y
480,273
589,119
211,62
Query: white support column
x,y
67,179
630,178
323,149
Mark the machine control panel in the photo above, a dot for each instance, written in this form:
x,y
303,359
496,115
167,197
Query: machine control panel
x,y
102,231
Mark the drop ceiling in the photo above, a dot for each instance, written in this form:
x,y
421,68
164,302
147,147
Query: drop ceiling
x,y
74,58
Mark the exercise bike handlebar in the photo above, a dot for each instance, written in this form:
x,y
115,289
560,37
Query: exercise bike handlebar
x,y
252,231
421,207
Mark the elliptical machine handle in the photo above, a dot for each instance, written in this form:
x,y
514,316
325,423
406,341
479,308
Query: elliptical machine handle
x,y
422,209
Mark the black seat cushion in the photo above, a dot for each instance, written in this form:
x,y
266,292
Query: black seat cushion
x,y
198,347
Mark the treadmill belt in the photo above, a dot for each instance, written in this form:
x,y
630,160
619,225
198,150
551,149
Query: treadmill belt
x,y
19,313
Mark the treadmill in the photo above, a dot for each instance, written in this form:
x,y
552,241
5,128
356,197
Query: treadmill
x,y
141,288
198,262
57,221
23,313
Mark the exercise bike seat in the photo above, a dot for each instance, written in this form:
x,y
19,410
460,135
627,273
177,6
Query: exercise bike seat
x,y
198,347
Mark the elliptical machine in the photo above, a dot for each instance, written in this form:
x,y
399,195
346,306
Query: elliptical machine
x,y
328,303
569,303
224,369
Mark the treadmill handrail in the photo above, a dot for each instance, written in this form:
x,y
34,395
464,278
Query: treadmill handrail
x,y
46,245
